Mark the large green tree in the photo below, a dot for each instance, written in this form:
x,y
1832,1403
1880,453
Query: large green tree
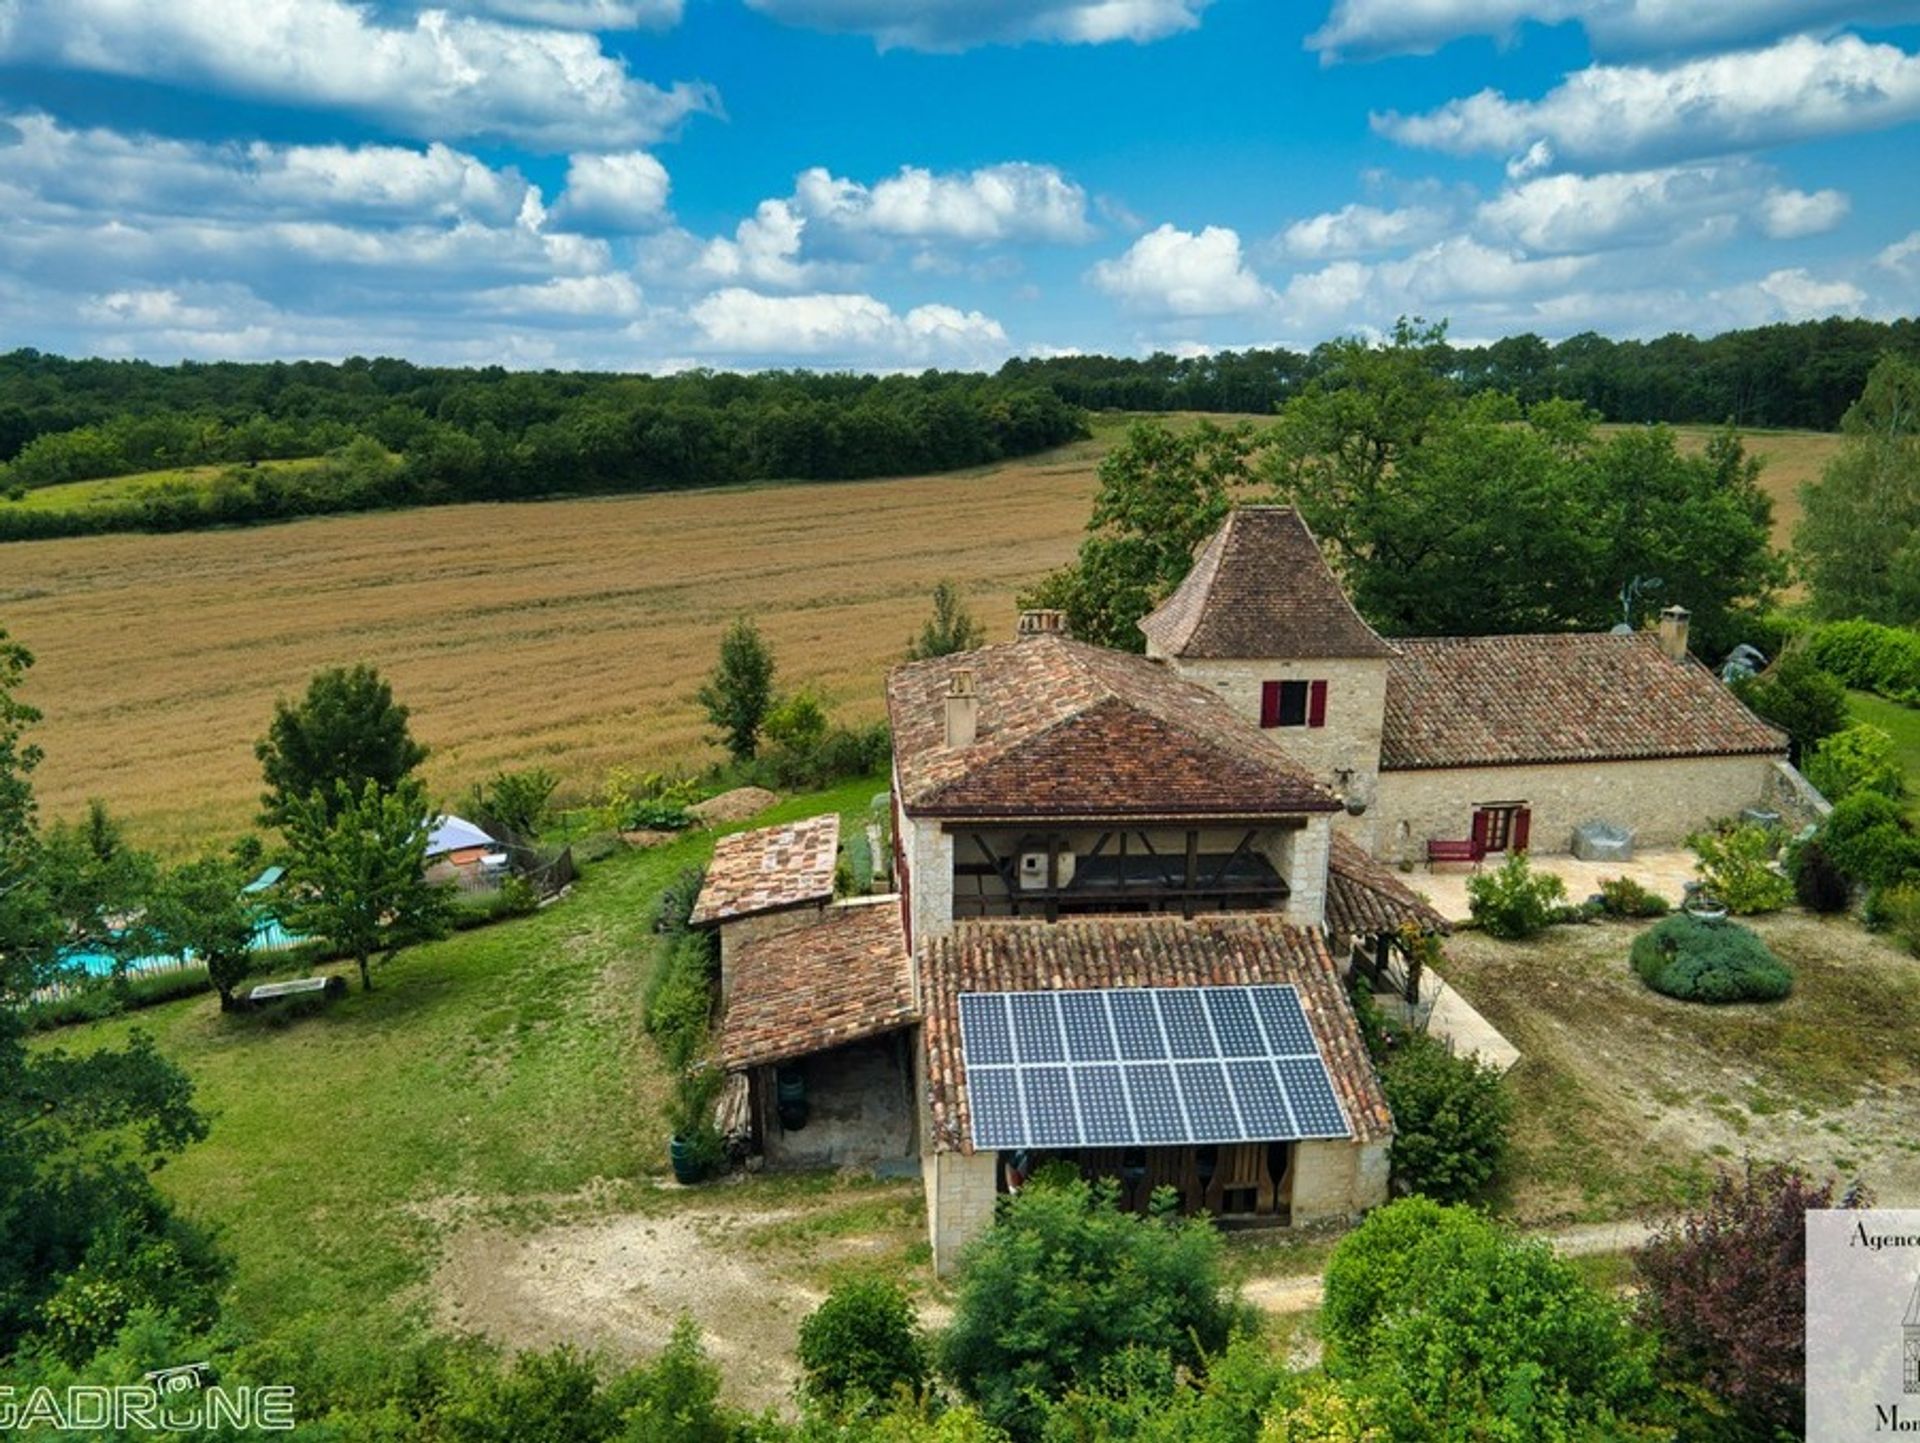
x,y
98,886
79,1134
1162,492
355,871
346,729
1858,542
738,693
202,907
1456,514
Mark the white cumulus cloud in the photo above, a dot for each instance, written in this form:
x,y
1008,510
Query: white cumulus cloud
x,y
1013,201
1172,272
843,327
1567,212
1802,296
765,249
588,14
432,74
1609,114
1361,29
1787,213
1358,230
622,191
961,24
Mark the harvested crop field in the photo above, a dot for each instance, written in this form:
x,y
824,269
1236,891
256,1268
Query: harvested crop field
x,y
568,634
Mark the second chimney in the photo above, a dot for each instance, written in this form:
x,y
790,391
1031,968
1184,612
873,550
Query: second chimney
x,y
1673,631
1041,623
963,710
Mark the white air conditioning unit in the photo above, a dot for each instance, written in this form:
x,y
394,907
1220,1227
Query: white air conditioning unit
x,y
1033,870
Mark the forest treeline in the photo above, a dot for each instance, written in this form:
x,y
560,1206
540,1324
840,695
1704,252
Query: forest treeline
x,y
394,434
1798,376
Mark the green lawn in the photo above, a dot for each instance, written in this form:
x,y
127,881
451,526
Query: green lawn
x,y
1902,723
79,495
500,1073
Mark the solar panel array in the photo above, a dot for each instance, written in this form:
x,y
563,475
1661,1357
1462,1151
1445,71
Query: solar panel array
x,y
1150,1065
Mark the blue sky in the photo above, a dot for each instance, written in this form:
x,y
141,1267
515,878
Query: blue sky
x,y
649,184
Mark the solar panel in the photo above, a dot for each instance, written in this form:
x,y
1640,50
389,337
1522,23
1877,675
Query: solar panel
x,y
1155,1066
1089,1037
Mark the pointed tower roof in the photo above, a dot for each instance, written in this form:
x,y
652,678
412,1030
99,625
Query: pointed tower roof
x,y
1260,588
1912,1319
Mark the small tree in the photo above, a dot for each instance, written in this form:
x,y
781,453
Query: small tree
x,y
201,908
796,723
1806,703
1858,759
1450,1120
96,884
514,805
1065,1281
862,1346
1725,1288
1514,902
1736,867
950,629
355,871
346,729
739,691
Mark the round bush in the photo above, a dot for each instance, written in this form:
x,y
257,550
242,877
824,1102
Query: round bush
x,y
863,1344
1699,961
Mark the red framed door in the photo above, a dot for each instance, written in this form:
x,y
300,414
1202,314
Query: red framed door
x,y
1502,827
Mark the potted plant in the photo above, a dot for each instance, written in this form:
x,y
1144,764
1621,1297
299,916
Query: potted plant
x,y
694,1148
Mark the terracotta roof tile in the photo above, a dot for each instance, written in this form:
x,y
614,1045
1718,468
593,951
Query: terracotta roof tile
x,y
1261,587
1070,729
818,986
769,869
1366,897
1582,697
1108,952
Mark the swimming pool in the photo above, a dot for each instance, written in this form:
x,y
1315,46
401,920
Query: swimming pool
x,y
269,936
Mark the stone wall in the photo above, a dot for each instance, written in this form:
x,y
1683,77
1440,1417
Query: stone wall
x,y
1659,801
1356,711
1335,1179
961,1191
929,853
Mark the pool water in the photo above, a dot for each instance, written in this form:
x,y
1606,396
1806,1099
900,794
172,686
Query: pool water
x,y
270,936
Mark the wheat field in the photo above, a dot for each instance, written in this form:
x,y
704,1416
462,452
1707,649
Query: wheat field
x,y
567,634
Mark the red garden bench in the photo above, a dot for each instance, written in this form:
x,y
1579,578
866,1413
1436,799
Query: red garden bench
x,y
1445,850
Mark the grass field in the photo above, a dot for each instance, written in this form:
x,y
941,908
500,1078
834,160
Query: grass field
x,y
1900,722
568,634
498,1080
79,495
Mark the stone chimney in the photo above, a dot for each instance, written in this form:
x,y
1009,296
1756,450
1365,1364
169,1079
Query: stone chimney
x,y
1040,623
1673,632
963,710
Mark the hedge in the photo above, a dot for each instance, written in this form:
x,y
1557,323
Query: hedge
x,y
1699,961
1867,656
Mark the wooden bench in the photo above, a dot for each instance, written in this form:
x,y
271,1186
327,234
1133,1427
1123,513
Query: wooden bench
x,y
1443,850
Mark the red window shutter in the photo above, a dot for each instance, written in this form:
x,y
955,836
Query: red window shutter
x,y
1480,820
1269,703
1317,704
1522,826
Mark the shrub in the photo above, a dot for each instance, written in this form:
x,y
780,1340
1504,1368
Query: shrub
x,y
1450,1120
1065,1281
1736,865
676,1398
1513,901
859,860
1724,1286
1870,657
862,1346
1624,897
1859,759
1817,882
1699,961
674,909
552,1397
1434,1314
678,999
1868,839
1896,910
1142,1397
1805,702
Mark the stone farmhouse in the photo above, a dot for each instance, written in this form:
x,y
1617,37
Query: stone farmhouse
x,y
1128,888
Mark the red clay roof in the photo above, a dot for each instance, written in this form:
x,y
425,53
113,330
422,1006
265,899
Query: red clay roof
x,y
1366,897
1581,697
1108,952
818,986
769,869
1067,729
1261,588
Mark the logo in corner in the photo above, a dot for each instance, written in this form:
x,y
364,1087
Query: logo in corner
x,y
186,1377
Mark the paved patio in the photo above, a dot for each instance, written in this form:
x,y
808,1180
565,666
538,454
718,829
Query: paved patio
x,y
1663,870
